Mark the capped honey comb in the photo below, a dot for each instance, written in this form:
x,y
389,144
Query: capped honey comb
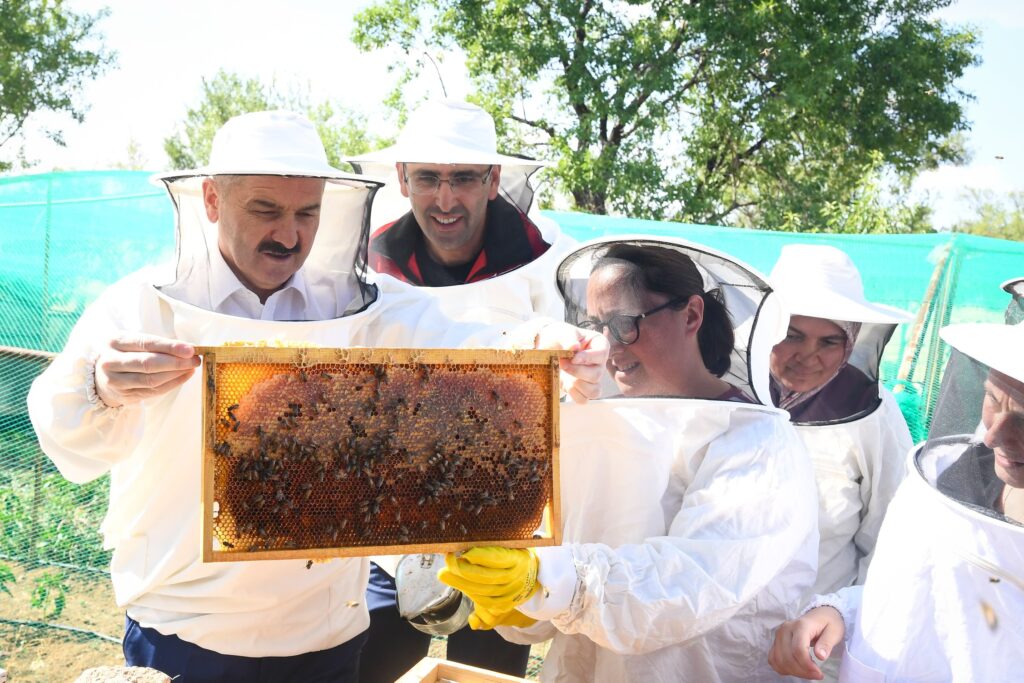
x,y
338,452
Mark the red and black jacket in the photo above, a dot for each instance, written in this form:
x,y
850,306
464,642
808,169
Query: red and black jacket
x,y
510,240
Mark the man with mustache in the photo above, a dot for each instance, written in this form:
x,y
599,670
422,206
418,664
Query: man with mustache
x,y
268,240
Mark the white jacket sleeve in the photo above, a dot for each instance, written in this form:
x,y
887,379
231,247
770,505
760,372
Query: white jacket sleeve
x,y
82,436
748,522
883,464
846,601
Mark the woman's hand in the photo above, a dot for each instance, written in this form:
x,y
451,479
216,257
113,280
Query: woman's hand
x,y
581,374
822,627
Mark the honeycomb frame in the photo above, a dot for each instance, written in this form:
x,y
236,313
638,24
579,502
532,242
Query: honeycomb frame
x,y
316,453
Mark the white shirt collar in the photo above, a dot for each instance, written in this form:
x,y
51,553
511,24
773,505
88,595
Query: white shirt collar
x,y
229,296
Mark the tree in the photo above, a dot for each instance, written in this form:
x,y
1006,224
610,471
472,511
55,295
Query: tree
x,y
226,94
741,112
995,216
44,62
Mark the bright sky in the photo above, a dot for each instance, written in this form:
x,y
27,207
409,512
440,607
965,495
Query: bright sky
x,y
166,48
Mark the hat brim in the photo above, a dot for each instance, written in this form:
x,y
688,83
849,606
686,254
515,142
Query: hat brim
x,y
325,172
441,154
833,306
1011,284
1000,347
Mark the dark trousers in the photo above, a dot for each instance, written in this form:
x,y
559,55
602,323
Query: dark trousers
x,y
189,663
394,646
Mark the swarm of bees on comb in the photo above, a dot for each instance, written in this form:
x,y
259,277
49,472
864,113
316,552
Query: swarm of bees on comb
x,y
355,458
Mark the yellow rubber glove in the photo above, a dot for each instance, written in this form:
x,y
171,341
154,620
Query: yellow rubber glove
x,y
483,619
499,579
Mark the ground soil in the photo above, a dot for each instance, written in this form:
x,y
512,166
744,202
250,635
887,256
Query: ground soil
x,y
33,654
49,655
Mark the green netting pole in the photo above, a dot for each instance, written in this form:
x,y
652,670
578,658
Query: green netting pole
x,y
936,358
908,397
37,494
44,317
37,466
920,327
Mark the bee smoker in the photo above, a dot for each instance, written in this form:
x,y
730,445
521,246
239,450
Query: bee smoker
x,y
426,603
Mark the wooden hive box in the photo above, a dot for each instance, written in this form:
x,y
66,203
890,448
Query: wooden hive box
x,y
315,453
432,670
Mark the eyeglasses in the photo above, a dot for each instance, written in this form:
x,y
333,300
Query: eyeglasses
x,y
429,183
626,328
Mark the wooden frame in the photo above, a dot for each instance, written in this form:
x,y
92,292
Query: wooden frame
x,y
221,430
432,670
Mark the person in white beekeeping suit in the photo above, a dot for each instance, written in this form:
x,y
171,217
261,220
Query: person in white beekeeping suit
x,y
825,374
688,509
944,598
267,253
454,218
456,212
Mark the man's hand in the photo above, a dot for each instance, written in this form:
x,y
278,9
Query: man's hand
x,y
581,374
822,627
498,579
137,367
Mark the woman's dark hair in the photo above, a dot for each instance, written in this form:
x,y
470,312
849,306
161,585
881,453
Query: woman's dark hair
x,y
672,273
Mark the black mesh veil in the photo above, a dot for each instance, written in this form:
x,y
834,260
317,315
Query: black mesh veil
x,y
335,274
1015,309
754,314
855,392
516,188
975,447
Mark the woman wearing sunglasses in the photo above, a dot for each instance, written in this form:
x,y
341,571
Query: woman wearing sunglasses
x,y
688,509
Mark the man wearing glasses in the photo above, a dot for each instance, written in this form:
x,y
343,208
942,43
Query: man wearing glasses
x,y
465,225
455,220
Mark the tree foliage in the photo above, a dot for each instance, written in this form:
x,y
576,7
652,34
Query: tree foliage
x,y
44,62
226,95
995,215
743,112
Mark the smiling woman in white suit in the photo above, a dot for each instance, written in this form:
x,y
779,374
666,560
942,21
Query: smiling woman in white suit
x,y
825,373
688,509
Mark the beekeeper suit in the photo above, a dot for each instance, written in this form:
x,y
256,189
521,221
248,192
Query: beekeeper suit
x,y
852,426
522,246
509,280
688,525
152,448
944,599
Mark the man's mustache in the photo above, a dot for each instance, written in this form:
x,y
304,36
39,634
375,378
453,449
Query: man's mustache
x,y
277,248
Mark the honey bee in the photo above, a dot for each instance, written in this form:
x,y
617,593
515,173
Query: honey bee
x,y
423,372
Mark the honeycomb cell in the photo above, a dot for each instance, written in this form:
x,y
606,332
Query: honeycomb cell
x,y
317,453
